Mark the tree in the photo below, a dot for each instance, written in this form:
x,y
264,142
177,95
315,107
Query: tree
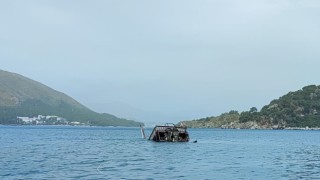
x,y
253,110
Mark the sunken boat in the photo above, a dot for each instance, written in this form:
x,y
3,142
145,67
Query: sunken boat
x,y
169,133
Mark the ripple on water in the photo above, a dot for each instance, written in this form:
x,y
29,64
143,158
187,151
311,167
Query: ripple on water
x,y
119,153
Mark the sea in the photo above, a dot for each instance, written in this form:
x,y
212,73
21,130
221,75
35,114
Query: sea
x,y
73,152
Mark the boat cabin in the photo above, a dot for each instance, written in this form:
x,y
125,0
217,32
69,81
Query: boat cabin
x,y
169,133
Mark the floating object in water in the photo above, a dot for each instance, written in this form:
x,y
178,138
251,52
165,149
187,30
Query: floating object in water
x,y
168,133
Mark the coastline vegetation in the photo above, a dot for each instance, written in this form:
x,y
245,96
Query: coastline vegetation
x,y
23,97
299,109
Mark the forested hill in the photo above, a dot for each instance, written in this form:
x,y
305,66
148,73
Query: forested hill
x,y
295,109
21,96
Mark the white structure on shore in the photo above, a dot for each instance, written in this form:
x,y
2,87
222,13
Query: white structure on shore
x,y
40,119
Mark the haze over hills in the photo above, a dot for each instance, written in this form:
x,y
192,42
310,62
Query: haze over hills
x,y
296,109
21,96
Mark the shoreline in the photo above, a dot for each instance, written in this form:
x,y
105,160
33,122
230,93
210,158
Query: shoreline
x,y
253,128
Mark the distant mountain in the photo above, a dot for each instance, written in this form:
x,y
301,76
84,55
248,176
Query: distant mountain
x,y
295,109
21,96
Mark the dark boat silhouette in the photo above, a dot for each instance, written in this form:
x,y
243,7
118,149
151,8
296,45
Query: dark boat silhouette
x,y
168,133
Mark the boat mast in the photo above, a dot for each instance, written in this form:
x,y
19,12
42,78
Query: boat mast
x,y
142,132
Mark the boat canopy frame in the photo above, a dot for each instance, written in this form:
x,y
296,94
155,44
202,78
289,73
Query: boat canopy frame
x,y
169,133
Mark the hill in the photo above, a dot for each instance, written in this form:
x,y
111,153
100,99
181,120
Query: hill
x,y
295,109
21,96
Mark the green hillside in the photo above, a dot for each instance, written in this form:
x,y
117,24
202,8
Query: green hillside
x,y
21,96
295,109
214,121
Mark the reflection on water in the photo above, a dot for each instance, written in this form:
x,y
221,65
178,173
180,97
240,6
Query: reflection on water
x,y
120,153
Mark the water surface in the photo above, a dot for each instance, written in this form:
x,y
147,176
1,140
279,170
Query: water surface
x,y
64,152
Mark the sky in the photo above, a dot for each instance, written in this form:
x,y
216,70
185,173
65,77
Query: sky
x,y
164,61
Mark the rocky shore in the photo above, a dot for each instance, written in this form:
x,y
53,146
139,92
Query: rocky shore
x,y
250,125
255,125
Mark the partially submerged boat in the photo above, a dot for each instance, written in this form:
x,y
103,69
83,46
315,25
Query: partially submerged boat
x,y
168,133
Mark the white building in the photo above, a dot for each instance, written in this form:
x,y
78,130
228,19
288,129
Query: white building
x,y
40,119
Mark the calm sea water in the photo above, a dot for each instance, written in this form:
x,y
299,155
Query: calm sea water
x,y
52,152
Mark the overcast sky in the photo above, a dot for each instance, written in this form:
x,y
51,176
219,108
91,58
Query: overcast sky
x,y
164,61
